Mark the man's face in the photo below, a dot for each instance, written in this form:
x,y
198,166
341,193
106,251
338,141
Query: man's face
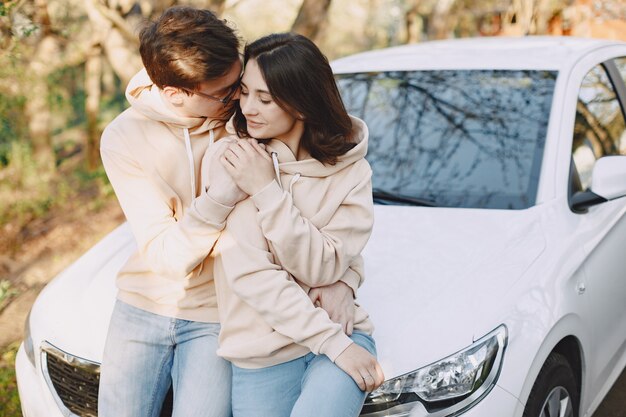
x,y
199,105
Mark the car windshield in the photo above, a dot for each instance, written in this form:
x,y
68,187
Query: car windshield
x,y
453,138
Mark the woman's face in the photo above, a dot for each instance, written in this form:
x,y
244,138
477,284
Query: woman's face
x,y
265,119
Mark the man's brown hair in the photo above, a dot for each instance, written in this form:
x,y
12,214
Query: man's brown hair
x,y
187,46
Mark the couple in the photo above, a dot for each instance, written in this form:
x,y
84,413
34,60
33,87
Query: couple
x,y
271,233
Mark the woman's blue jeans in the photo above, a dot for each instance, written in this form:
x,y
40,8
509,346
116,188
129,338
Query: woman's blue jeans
x,y
146,353
310,386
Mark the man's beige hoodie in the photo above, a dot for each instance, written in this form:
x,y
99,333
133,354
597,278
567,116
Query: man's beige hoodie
x,y
313,221
152,157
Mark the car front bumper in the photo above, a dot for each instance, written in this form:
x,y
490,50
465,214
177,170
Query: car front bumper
x,y
38,401
498,403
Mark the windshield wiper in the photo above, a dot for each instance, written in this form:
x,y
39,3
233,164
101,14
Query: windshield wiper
x,y
385,197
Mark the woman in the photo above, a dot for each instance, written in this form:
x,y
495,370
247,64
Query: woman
x,y
319,198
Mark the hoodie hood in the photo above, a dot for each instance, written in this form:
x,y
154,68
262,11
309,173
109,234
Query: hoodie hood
x,y
312,167
145,97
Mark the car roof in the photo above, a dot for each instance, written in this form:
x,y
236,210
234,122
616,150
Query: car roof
x,y
529,52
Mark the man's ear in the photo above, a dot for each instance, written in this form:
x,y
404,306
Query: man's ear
x,y
173,95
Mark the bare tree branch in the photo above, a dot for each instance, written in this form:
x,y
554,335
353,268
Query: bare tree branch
x,y
116,20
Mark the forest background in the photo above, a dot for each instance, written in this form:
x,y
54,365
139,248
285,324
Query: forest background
x,y
64,65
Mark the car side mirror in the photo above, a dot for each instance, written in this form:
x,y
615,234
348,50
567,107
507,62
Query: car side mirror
x,y
608,182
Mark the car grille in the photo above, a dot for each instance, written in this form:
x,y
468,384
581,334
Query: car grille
x,y
74,380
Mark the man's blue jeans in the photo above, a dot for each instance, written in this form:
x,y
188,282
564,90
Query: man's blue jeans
x,y
146,353
310,386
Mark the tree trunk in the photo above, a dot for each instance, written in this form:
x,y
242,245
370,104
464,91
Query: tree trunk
x,y
413,24
37,108
51,52
93,89
439,26
311,17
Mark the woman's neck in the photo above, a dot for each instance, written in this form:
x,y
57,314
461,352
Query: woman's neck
x,y
293,139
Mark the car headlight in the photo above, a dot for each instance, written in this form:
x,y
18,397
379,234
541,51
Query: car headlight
x,y
29,349
443,388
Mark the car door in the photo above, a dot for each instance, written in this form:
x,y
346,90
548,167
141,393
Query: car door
x,y
600,130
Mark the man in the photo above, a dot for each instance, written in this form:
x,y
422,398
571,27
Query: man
x,y
164,326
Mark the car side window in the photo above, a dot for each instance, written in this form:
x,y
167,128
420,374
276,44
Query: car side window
x,y
600,129
621,66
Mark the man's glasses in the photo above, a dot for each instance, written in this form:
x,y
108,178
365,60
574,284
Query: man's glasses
x,y
231,93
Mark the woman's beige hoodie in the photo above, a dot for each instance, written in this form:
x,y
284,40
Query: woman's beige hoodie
x,y
313,221
153,158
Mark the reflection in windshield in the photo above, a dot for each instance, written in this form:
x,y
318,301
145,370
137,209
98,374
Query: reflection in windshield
x,y
458,138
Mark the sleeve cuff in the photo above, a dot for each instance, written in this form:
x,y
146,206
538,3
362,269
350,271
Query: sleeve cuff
x,y
352,280
269,195
335,346
210,210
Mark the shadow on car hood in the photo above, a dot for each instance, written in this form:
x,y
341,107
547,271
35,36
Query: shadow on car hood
x,y
436,278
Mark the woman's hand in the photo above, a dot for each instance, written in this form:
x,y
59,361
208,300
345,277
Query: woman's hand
x,y
223,188
249,165
338,301
361,366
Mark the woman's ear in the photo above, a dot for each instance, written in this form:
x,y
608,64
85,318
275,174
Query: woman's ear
x,y
173,95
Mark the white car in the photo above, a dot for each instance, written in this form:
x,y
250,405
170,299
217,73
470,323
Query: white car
x,y
496,271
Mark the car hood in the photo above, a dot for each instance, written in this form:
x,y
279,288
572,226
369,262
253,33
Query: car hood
x,y
73,310
436,279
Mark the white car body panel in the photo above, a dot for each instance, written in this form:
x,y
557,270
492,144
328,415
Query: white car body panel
x,y
90,285
438,279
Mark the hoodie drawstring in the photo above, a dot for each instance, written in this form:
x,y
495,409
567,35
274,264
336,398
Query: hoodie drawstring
x,y
276,170
295,178
192,165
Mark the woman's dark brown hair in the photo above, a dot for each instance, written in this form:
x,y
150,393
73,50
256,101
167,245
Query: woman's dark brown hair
x,y
187,46
300,80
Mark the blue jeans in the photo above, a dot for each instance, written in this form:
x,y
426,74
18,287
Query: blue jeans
x,y
147,353
310,386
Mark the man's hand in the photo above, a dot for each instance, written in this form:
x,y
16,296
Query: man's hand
x,y
249,165
222,188
361,366
338,301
